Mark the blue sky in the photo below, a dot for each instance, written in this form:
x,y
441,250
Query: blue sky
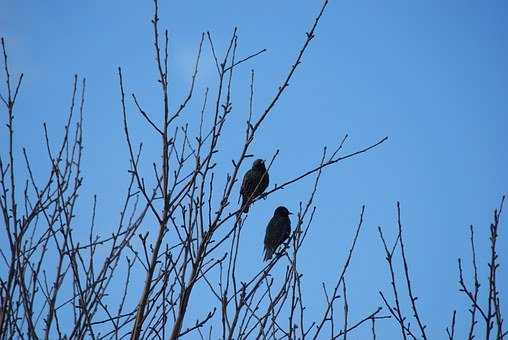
x,y
431,75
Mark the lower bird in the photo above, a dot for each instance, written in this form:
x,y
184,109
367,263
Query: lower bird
x,y
277,231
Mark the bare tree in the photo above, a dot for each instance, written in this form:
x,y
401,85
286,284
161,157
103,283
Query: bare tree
x,y
179,229
490,313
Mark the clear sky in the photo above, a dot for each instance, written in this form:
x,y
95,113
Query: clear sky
x,y
431,75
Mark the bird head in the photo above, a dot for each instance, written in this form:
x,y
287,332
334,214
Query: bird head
x,y
282,211
258,164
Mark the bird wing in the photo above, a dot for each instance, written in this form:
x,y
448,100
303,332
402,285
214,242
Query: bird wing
x,y
277,231
247,187
254,183
270,233
269,238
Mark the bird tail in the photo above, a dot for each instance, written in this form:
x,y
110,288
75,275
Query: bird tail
x,y
268,254
245,205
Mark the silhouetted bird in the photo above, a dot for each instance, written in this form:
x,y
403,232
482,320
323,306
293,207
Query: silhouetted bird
x,y
254,183
277,231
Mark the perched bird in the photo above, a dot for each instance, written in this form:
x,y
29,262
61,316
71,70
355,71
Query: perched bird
x,y
277,231
254,183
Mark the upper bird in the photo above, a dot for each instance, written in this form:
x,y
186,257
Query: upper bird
x,y
277,231
254,183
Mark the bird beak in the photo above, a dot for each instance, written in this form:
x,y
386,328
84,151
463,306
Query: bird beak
x,y
290,213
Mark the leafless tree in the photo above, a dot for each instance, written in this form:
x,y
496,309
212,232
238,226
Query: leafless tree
x,y
179,230
490,313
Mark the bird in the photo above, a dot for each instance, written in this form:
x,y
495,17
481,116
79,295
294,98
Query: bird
x,y
277,231
255,182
